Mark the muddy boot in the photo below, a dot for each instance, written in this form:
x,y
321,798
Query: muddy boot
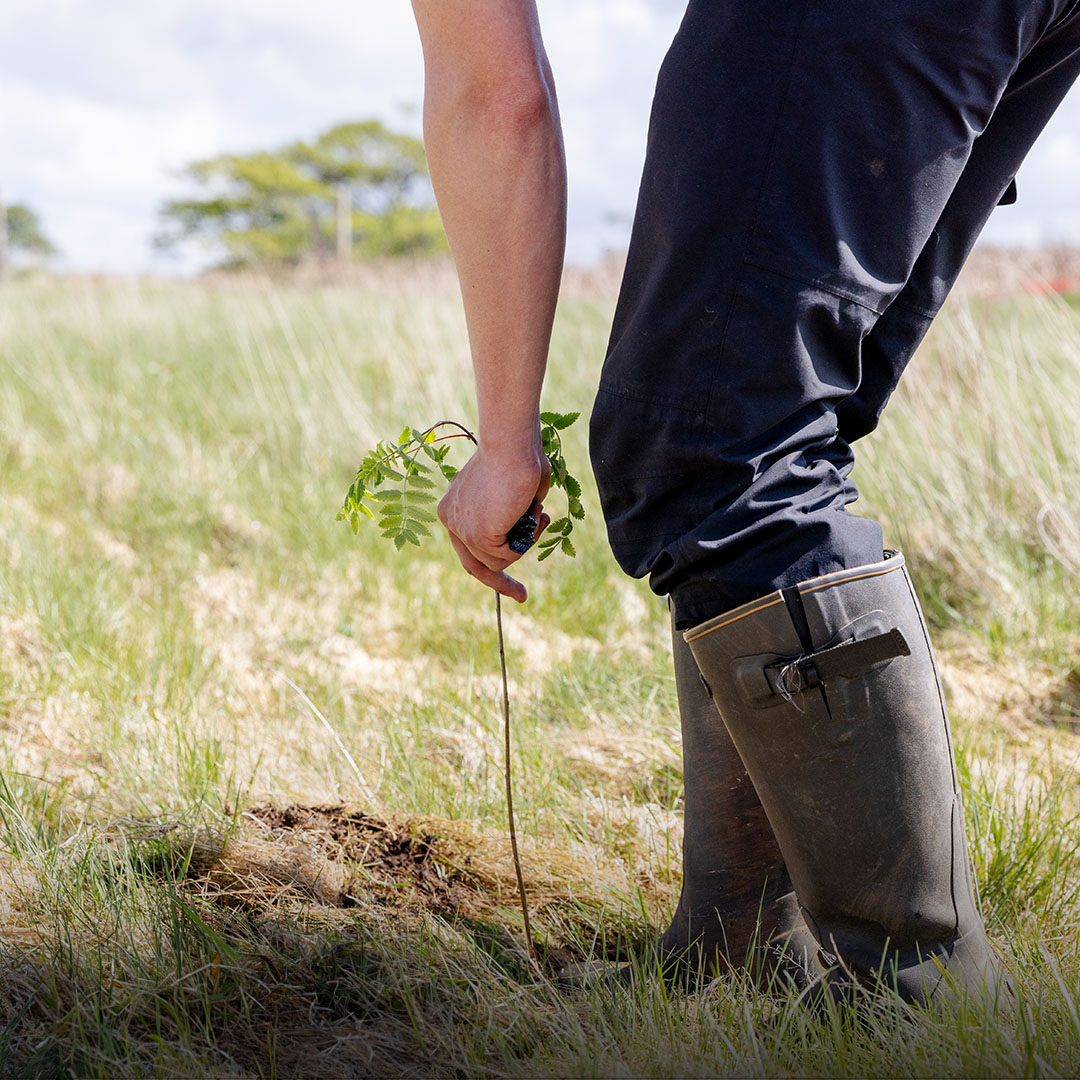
x,y
831,694
737,906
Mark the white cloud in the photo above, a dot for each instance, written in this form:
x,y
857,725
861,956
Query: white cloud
x,y
101,102
1047,210
1063,152
605,55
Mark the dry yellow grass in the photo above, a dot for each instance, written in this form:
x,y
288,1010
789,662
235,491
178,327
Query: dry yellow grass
x,y
194,878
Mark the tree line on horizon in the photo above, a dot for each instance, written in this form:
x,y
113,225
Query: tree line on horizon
x,y
21,233
356,191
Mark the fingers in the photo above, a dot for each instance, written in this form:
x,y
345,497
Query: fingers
x,y
500,557
493,575
493,579
545,479
542,520
481,505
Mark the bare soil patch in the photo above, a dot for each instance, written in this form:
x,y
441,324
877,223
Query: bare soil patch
x,y
338,864
390,862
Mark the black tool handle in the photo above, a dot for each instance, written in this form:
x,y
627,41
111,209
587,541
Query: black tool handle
x,y
522,535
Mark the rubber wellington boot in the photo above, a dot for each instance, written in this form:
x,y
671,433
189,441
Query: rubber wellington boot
x,y
831,695
737,906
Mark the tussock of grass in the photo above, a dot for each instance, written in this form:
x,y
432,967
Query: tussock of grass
x,y
192,880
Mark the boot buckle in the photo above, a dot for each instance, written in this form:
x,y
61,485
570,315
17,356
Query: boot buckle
x,y
768,679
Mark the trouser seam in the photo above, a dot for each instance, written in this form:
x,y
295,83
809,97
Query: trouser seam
x,y
821,286
930,316
618,391
1067,14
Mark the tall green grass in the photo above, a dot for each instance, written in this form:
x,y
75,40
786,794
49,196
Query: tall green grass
x,y
171,458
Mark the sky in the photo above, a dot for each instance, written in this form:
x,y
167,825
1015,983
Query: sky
x,y
102,102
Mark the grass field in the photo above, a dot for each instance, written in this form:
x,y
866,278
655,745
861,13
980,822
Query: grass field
x,y
197,878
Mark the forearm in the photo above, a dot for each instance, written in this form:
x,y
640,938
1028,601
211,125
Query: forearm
x,y
495,152
491,129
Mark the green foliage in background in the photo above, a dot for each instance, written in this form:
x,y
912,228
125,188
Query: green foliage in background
x,y
25,233
168,455
280,206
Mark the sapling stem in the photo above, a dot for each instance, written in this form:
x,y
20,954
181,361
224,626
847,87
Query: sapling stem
x,y
509,784
507,771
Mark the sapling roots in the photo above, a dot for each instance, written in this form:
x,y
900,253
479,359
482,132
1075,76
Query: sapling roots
x,y
402,512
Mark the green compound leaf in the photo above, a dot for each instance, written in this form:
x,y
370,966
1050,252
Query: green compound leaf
x,y
559,421
404,510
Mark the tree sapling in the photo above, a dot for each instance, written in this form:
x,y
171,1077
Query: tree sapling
x,y
403,512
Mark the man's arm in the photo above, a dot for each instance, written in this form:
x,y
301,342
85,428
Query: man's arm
x,y
494,147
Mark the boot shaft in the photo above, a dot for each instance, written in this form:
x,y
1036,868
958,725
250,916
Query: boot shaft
x,y
830,693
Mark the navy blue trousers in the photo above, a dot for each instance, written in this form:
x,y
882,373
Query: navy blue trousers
x,y
817,172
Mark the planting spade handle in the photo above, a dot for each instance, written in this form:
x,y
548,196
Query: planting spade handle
x,y
522,536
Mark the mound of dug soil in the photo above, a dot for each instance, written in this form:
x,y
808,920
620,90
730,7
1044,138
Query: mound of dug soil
x,y
297,860
385,861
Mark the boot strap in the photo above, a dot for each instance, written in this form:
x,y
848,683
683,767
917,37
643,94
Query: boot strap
x,y
765,678
847,660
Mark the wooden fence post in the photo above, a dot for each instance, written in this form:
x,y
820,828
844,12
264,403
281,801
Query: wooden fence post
x,y
344,224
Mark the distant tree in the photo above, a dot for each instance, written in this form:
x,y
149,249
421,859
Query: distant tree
x,y
24,232
356,189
